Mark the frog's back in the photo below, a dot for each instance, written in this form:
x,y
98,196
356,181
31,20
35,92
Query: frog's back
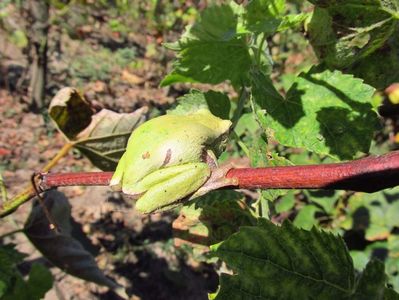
x,y
159,131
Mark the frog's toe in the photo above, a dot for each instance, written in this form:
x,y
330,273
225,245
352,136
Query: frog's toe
x,y
116,180
130,191
127,190
115,183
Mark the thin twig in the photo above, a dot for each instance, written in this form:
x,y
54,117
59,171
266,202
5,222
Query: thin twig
x,y
240,106
11,233
368,174
28,193
3,189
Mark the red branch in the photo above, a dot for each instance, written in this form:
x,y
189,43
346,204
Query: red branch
x,y
368,174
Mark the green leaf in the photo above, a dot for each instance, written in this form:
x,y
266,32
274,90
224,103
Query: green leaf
x,y
40,281
18,290
392,268
325,199
360,259
211,51
393,245
261,157
246,125
3,288
391,217
258,153
13,286
9,258
217,103
390,294
376,232
326,112
381,68
375,213
286,202
292,21
273,262
18,37
217,23
272,194
261,54
371,284
211,219
284,262
306,218
264,15
210,62
345,31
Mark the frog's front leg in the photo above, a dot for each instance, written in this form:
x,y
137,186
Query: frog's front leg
x,y
116,181
217,179
164,188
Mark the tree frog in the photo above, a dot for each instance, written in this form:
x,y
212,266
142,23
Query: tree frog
x,y
167,158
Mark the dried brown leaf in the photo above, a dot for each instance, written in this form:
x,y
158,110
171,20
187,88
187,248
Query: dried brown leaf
x,y
105,139
102,136
70,112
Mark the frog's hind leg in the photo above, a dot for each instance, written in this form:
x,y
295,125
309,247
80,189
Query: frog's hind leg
x,y
166,191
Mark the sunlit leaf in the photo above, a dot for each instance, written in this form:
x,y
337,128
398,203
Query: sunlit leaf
x,y
261,157
217,103
292,21
325,112
306,217
374,213
286,202
211,51
325,199
264,15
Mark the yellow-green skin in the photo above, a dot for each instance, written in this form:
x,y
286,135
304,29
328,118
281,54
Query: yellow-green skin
x,y
163,162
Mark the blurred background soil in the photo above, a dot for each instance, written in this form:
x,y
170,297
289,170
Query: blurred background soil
x,y
112,52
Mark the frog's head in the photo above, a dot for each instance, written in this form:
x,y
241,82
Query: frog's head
x,y
220,128
206,118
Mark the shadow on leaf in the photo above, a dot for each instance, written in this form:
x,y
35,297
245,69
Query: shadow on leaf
x,y
337,126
